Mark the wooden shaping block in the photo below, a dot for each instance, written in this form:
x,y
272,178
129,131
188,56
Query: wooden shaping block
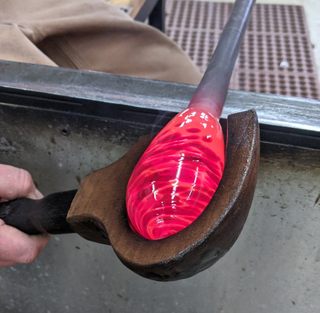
x,y
98,211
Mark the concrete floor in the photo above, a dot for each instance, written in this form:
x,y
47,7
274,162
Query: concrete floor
x,y
312,10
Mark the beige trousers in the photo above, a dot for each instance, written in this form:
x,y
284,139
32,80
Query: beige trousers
x,y
90,35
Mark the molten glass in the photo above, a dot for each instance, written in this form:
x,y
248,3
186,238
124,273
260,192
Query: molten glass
x,y
177,175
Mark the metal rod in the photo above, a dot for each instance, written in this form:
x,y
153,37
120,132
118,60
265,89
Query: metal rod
x,y
212,90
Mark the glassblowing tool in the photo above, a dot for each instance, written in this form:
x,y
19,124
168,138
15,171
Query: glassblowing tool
x,y
98,210
180,171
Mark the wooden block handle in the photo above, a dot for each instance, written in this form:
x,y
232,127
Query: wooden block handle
x,y
98,212
33,217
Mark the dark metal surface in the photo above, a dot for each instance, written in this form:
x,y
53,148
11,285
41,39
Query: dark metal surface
x,y
157,16
283,120
273,267
146,10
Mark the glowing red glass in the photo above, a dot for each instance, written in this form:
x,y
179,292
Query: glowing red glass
x,y
177,175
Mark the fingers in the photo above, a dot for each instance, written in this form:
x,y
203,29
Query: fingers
x,y
17,247
16,183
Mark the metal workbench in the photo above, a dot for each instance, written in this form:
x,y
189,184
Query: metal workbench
x,y
62,124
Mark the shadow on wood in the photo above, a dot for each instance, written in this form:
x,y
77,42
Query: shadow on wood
x,y
98,211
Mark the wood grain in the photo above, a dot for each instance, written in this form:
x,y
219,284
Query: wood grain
x,y
98,212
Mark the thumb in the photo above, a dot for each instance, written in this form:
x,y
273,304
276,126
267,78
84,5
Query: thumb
x,y
16,183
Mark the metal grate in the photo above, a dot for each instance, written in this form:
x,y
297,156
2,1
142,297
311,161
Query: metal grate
x,y
276,56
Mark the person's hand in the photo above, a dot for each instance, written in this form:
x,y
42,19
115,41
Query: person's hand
x,y
16,246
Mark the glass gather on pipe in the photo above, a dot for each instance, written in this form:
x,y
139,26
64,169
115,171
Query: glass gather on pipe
x,y
177,175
